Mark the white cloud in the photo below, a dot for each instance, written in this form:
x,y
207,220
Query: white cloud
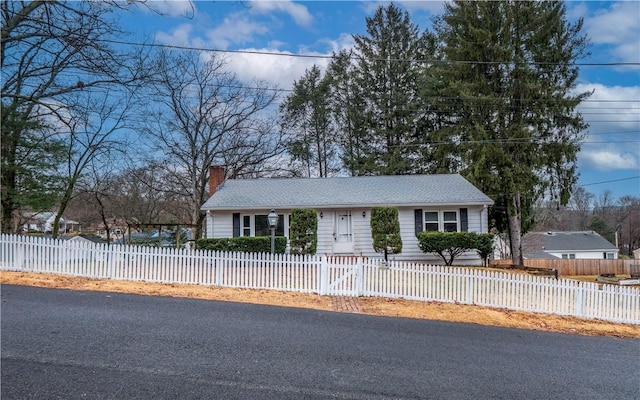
x,y
619,27
235,29
611,108
172,8
299,13
180,36
577,10
609,160
276,70
613,113
343,42
281,68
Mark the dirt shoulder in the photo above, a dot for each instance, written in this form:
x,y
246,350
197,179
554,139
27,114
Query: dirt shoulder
x,y
364,305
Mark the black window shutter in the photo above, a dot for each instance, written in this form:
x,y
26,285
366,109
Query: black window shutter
x,y
236,224
418,220
464,220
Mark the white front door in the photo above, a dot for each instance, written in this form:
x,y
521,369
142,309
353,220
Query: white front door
x,y
343,242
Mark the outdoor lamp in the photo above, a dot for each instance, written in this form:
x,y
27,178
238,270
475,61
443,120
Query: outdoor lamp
x,y
272,218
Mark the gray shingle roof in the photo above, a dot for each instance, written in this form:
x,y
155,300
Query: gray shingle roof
x,y
409,190
565,241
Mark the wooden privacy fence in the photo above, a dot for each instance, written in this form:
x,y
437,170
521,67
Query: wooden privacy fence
x,y
579,266
346,276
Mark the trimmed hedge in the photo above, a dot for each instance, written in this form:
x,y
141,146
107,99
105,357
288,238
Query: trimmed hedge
x,y
385,230
449,245
303,231
244,244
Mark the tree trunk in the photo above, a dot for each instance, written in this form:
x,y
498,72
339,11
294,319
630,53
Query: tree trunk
x,y
515,233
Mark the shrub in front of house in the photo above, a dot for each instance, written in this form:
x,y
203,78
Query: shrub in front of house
x,y
244,244
385,230
449,245
303,231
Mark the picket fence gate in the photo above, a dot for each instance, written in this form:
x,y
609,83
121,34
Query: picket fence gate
x,y
325,275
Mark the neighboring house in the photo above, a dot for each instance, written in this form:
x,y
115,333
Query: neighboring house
x,y
567,245
343,206
83,238
43,222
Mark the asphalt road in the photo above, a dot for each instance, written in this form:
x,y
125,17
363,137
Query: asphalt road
x,y
61,344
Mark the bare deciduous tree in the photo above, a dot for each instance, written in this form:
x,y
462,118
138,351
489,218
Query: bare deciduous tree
x,y
51,51
203,115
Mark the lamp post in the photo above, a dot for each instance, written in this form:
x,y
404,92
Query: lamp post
x,y
273,221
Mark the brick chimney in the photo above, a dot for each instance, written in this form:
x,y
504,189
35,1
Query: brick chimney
x,y
216,178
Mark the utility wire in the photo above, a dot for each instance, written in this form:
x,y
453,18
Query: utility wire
x,y
611,181
322,56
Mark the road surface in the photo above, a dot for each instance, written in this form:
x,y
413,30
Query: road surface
x,y
62,344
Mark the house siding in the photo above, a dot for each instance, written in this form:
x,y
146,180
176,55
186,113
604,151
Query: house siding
x,y
476,220
585,255
220,225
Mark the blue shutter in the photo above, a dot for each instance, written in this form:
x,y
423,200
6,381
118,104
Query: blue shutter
x,y
464,220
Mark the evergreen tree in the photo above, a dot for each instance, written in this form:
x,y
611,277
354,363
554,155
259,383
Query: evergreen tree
x,y
347,103
306,115
512,74
384,78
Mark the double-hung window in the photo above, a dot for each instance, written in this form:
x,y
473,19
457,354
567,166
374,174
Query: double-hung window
x,y
443,221
246,225
258,225
431,221
450,221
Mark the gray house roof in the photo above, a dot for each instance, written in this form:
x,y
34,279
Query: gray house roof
x,y
397,190
537,242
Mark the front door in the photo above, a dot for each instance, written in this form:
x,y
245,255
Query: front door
x,y
343,233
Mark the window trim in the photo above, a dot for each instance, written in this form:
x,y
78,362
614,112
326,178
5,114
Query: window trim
x,y
457,215
252,224
431,221
441,222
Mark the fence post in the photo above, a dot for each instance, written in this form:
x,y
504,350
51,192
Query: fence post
x,y
323,276
469,282
20,253
579,301
218,263
109,253
359,277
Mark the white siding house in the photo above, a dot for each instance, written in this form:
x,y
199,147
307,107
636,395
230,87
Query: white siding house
x,y
43,222
568,245
343,206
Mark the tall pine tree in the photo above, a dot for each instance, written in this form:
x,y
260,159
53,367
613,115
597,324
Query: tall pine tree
x,y
511,78
385,72
306,115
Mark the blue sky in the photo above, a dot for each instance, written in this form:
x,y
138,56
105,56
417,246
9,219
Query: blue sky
x,y
610,153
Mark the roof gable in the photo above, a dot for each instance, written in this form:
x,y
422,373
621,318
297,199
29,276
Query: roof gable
x,y
445,189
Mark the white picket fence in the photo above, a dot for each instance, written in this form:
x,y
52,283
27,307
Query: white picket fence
x,y
346,276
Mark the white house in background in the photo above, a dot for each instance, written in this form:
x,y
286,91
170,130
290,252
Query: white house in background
x,y
43,222
343,205
568,245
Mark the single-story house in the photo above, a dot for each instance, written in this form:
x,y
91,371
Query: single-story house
x,y
446,202
43,222
83,238
567,245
